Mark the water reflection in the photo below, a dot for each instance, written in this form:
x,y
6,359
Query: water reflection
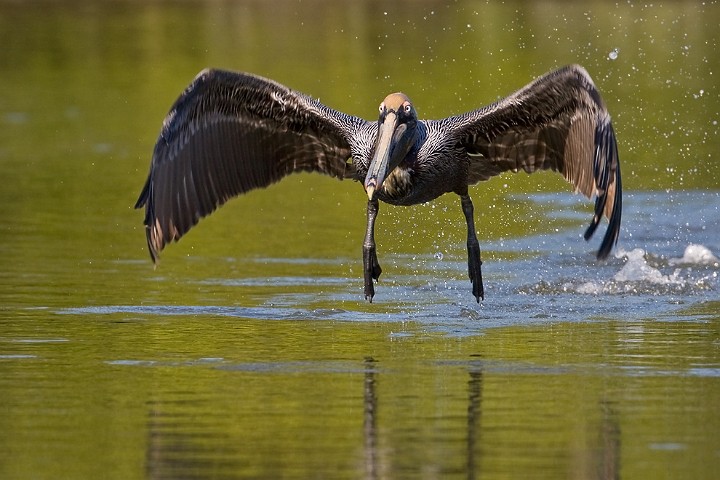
x,y
183,445
608,464
370,420
186,441
170,457
474,422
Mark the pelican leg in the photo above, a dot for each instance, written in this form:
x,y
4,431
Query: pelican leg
x,y
473,247
371,267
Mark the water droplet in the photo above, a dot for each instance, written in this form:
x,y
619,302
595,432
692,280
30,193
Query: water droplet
x,y
438,255
613,55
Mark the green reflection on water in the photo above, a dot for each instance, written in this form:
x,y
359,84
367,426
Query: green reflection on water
x,y
129,395
299,399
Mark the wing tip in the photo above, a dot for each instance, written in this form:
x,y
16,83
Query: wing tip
x,y
155,239
154,244
612,234
608,181
613,230
153,231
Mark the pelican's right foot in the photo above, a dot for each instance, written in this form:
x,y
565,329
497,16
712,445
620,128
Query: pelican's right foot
x,y
475,272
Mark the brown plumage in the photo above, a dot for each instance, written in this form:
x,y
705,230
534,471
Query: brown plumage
x,y
229,133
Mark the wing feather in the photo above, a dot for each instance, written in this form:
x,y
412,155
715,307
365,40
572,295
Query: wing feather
x,y
558,122
229,133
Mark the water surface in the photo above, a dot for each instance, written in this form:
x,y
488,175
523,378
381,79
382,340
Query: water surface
x,y
249,351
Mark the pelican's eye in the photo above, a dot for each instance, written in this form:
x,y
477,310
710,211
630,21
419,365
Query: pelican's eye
x,y
382,107
408,108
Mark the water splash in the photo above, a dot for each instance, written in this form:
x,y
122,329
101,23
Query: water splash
x,y
643,273
637,269
696,255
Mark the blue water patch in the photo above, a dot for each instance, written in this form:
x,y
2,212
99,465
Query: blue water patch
x,y
666,262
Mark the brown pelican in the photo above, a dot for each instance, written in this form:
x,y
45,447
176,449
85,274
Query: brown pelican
x,y
229,133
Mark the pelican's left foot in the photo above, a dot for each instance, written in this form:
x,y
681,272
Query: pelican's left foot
x,y
372,270
371,267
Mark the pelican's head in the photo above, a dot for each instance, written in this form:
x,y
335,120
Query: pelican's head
x,y
397,129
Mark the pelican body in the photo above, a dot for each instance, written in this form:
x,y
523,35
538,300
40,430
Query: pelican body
x,y
229,133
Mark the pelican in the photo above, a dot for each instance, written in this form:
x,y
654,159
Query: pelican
x,y
229,133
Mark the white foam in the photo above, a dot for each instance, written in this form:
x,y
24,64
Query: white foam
x,y
590,288
696,255
637,269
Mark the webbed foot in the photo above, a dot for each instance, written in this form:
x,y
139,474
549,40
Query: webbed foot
x,y
372,270
474,270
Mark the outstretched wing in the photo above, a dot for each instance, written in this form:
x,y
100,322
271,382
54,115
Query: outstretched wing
x,y
558,122
229,133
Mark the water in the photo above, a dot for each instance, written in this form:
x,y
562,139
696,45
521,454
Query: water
x,y
249,352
